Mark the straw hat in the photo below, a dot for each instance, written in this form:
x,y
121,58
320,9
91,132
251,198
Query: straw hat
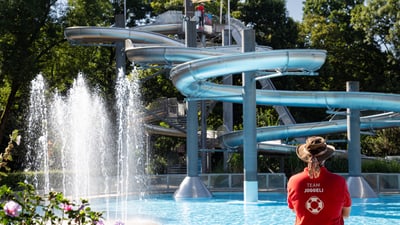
x,y
315,146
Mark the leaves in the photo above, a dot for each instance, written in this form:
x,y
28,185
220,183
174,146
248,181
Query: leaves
x,y
380,20
46,209
328,25
273,26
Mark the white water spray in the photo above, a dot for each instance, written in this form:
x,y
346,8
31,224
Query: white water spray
x,y
37,136
81,150
130,140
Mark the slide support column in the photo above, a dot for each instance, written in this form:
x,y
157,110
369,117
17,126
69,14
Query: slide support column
x,y
249,124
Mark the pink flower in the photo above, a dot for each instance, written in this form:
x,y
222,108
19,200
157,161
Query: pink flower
x,y
66,207
12,209
100,222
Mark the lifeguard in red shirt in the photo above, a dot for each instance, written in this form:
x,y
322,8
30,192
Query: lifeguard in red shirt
x,y
200,13
316,195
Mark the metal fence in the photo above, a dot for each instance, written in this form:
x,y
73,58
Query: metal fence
x,y
381,183
218,182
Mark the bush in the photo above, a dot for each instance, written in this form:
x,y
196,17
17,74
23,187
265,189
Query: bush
x,y
37,178
341,165
380,166
337,165
27,207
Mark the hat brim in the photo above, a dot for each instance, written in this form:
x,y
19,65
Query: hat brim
x,y
305,156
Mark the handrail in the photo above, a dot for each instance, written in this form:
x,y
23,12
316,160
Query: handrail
x,y
381,183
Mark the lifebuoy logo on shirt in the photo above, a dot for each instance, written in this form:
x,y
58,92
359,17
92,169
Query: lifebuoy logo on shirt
x,y
314,205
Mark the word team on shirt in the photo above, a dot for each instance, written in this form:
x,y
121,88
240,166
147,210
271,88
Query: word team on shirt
x,y
313,188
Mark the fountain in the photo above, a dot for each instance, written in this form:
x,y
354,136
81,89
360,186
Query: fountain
x,y
76,147
37,133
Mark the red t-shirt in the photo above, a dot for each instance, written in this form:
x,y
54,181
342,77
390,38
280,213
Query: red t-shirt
x,y
200,8
318,201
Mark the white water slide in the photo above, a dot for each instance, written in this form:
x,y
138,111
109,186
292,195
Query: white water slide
x,y
193,70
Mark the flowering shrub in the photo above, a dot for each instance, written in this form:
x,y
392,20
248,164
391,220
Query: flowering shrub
x,y
12,209
6,156
27,207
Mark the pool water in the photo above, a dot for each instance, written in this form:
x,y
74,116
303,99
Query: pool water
x,y
228,208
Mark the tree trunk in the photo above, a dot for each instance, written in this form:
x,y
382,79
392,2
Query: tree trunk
x,y
7,110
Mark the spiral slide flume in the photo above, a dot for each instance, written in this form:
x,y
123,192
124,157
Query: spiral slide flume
x,y
193,67
99,35
190,78
384,120
192,70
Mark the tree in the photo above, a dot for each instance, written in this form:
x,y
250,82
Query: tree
x,y
327,25
33,42
89,13
156,84
161,6
135,10
379,19
384,143
271,22
28,31
330,25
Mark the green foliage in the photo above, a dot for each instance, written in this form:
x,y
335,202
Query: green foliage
x,y
235,162
327,25
7,156
158,164
163,148
267,164
28,30
27,38
379,19
4,92
341,164
13,178
380,166
154,87
293,165
161,6
53,208
272,25
382,144
96,63
26,207
337,165
135,9
266,117
214,118
90,13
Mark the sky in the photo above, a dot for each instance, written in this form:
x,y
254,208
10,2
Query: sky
x,y
295,8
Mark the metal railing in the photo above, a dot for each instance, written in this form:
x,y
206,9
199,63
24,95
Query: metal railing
x,y
218,182
381,183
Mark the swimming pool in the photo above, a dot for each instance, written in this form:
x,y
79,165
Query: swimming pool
x,y
228,208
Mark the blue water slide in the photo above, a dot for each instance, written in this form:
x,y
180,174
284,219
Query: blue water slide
x,y
193,69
